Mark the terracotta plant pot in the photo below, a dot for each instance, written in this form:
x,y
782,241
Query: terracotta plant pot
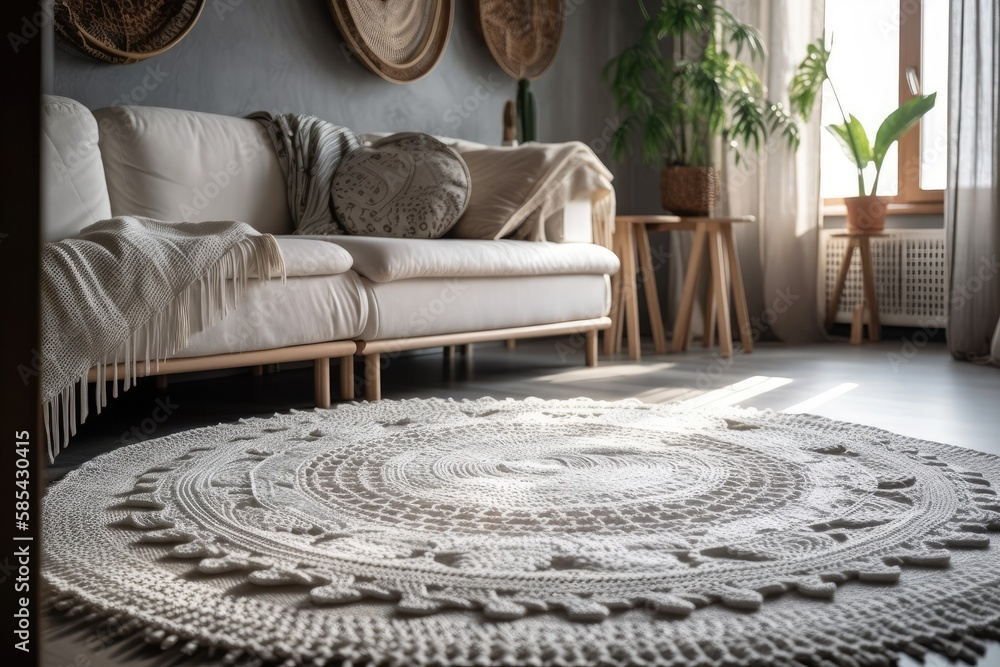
x,y
866,215
689,190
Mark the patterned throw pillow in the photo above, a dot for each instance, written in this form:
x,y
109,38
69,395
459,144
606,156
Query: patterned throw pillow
x,y
407,185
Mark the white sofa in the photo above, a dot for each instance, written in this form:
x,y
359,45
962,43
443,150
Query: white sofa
x,y
345,295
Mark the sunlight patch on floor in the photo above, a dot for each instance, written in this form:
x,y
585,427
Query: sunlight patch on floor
x,y
608,372
738,392
820,399
668,394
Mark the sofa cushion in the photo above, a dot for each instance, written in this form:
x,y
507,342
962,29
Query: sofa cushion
x,y
175,165
309,257
75,192
429,306
386,260
407,185
310,309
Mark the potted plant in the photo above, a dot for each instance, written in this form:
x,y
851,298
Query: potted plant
x,y
866,212
676,100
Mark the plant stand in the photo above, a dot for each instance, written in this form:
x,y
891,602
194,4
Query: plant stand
x,y
712,234
869,302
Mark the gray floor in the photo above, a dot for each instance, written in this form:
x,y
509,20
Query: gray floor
x,y
918,392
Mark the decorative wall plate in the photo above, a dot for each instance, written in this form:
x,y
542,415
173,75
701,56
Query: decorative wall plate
x,y
522,35
400,40
125,31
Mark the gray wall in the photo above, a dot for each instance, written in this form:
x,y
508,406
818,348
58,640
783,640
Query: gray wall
x,y
246,55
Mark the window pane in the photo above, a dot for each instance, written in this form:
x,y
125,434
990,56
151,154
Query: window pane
x,y
864,65
934,78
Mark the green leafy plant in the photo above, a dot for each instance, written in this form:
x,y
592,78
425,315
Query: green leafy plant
x,y
676,100
805,89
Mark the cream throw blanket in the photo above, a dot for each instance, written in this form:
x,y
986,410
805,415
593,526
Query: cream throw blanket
x,y
129,279
515,189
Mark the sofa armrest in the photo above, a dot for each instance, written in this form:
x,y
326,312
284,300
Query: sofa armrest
x,y
572,224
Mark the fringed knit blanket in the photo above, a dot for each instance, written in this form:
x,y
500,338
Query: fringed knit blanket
x,y
129,279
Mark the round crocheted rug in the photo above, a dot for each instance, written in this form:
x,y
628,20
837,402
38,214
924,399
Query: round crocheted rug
x,y
434,532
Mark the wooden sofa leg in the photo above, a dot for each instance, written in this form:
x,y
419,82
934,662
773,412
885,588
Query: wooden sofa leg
x,y
347,378
321,382
162,381
373,377
510,344
591,351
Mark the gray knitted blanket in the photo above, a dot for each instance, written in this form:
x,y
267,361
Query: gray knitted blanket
x,y
130,279
309,150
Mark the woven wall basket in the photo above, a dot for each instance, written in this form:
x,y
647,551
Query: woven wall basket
x,y
400,40
125,31
522,35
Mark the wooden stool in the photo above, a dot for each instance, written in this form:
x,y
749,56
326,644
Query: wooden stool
x,y
712,234
869,300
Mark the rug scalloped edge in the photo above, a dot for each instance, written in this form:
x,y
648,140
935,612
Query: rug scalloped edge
x,y
964,643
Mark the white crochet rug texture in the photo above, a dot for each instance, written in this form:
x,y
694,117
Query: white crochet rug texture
x,y
436,532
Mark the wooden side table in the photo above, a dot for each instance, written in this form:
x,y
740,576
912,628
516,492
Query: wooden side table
x,y
632,244
869,301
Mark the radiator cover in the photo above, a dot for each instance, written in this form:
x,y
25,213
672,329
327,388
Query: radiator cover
x,y
910,277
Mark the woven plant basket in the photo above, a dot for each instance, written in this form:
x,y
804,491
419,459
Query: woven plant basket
x,y
125,31
400,40
522,35
689,190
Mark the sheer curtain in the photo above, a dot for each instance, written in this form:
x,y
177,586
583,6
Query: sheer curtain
x,y
779,254
972,202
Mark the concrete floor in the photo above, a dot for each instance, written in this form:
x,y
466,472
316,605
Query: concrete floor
x,y
919,392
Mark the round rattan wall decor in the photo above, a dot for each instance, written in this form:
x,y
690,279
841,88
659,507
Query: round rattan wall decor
x,y
125,31
522,35
400,40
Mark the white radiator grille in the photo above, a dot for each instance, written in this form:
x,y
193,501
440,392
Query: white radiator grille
x,y
910,277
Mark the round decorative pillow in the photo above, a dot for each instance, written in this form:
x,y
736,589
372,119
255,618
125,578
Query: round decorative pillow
x,y
407,185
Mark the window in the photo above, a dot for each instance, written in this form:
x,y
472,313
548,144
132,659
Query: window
x,y
880,49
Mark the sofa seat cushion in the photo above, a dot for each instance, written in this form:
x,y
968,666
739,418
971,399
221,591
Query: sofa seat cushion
x,y
309,309
307,257
430,306
385,260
